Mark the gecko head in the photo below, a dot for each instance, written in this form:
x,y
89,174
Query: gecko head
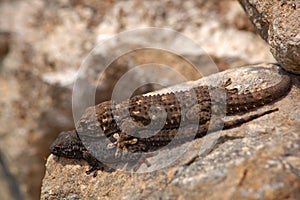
x,y
67,144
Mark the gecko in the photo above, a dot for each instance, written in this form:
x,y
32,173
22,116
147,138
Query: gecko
x,y
111,129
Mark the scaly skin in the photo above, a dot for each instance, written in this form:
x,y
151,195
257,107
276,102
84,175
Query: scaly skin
x,y
86,143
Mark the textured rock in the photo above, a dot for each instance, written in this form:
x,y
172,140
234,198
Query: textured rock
x,y
278,23
259,160
48,40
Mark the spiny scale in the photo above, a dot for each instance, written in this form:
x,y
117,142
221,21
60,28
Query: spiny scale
x,y
69,144
170,107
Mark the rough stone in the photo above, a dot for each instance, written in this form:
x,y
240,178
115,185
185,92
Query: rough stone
x,y
278,23
43,43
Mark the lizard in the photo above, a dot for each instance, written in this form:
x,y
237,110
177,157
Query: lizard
x,y
112,119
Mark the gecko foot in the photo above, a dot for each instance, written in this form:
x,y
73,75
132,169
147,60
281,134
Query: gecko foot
x,y
93,169
226,84
122,140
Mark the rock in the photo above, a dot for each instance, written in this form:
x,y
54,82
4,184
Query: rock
x,y
4,45
48,41
258,160
9,188
278,23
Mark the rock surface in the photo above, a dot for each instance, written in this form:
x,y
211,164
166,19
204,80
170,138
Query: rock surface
x,y
258,160
278,23
43,43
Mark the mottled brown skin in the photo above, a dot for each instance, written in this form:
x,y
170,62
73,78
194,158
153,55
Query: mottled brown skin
x,y
197,109
195,104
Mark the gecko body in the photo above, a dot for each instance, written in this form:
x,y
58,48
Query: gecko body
x,y
110,128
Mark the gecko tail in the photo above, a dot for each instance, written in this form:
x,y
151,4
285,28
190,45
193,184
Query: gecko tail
x,y
238,122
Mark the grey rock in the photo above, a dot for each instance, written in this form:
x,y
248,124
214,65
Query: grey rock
x,y
49,41
278,24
